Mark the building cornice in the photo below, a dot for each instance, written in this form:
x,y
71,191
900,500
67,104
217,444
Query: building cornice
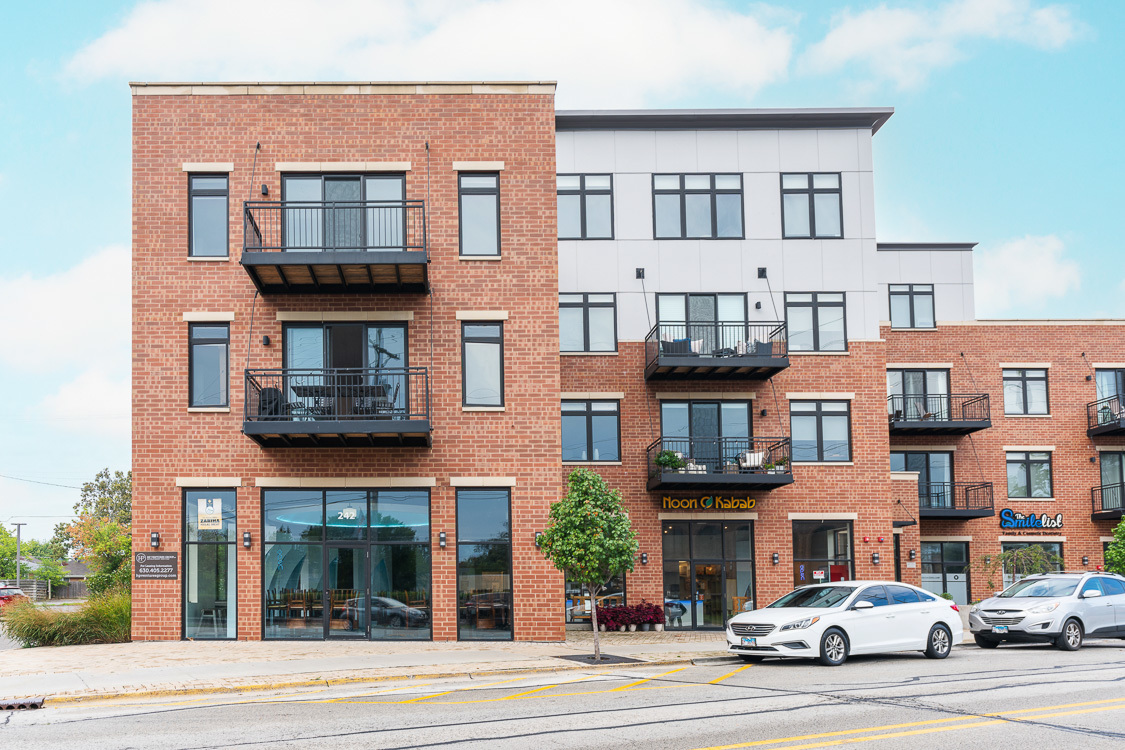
x,y
722,119
283,88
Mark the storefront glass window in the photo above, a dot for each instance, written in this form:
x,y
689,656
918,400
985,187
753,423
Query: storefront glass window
x,y
945,569
822,551
578,598
210,571
708,572
401,601
294,515
294,590
1053,549
484,565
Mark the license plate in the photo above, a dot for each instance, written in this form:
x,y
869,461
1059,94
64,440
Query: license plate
x,y
999,628
749,641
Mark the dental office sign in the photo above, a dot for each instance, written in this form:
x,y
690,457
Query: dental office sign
x,y
1011,519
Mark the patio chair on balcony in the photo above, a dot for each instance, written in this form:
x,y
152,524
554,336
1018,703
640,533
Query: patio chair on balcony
x,y
751,460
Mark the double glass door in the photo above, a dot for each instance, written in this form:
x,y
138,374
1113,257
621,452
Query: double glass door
x,y
344,212
945,569
712,323
1113,479
935,476
1110,391
710,433
708,572
919,394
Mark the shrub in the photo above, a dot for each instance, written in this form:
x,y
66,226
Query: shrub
x,y
947,595
105,618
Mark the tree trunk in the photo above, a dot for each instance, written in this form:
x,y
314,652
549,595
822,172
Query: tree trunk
x,y
594,621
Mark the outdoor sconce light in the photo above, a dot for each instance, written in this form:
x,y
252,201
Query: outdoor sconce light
x,y
988,559
874,558
1085,561
246,539
441,539
265,189
265,340
154,539
776,558
538,537
644,558
762,413
912,554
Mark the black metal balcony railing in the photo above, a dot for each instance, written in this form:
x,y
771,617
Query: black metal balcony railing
x,y
680,350
720,456
940,407
307,395
352,226
1105,414
1108,500
955,496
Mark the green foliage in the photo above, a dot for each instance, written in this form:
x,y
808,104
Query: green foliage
x,y
1019,562
946,595
108,496
105,618
669,461
7,553
1115,553
108,549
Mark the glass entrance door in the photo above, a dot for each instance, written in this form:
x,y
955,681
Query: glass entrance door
x,y
346,605
708,572
945,569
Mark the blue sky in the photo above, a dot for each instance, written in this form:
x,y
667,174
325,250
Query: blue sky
x,y
1007,131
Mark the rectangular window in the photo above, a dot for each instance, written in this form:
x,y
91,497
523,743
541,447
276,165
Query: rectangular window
x,y
588,322
482,364
1053,550
821,430
208,216
1029,475
578,602
478,206
935,475
708,572
209,370
918,395
345,212
1025,392
912,306
810,206
822,552
591,431
585,206
210,570
484,565
697,206
816,321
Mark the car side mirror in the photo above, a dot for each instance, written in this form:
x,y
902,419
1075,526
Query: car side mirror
x,y
997,593
1091,594
863,604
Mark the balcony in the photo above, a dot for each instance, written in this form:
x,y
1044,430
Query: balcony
x,y
292,247
1107,501
938,414
718,351
760,463
1105,417
338,408
955,500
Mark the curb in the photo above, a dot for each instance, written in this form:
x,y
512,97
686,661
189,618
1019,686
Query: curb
x,y
336,681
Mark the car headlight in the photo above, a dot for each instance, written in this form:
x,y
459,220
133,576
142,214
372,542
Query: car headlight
x,y
800,624
975,609
1043,609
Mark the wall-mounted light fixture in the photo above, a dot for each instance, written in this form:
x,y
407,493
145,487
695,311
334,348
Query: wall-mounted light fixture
x,y
154,539
874,558
762,413
644,558
538,538
913,554
265,189
1085,561
265,340
441,539
988,559
246,539
776,558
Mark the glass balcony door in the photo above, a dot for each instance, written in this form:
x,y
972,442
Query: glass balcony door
x,y
924,394
1113,479
712,323
711,433
344,212
935,476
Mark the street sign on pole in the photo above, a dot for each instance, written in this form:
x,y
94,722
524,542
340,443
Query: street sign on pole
x,y
18,525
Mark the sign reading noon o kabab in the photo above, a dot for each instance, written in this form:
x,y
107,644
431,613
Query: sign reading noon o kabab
x,y
708,502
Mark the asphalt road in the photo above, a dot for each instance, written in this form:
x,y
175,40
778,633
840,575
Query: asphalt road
x,y
1008,698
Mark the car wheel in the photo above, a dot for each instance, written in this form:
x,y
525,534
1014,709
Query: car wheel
x,y
751,659
939,643
395,622
985,642
1071,638
833,648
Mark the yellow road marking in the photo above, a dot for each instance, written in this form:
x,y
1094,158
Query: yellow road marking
x,y
546,687
843,732
717,680
352,698
647,679
462,690
424,697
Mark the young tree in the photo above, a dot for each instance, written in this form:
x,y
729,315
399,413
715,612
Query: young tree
x,y
1019,562
589,537
1115,553
107,547
108,496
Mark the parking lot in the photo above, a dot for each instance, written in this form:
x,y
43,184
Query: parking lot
x,y
974,698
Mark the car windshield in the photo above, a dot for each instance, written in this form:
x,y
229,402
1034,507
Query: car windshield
x,y
1040,587
818,596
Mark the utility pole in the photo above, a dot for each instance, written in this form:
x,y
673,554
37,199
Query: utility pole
x,y
18,525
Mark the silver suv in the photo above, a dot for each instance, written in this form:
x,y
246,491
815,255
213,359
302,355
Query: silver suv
x,y
1058,608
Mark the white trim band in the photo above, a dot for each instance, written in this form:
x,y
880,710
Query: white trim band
x,y
820,396
482,481
1031,539
707,395
342,166
1025,365
945,539
823,516
198,316
591,396
359,315
751,515
208,166
209,482
920,366
345,482
488,315
478,166
1029,448
910,476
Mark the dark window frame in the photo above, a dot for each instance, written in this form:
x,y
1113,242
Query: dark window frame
x,y
816,305
582,191
811,192
712,191
462,191
232,611
585,305
589,414
458,541
192,193
827,561
1025,463
713,295
192,342
692,560
482,340
693,402
819,414
322,177
367,324
1023,380
927,454
912,294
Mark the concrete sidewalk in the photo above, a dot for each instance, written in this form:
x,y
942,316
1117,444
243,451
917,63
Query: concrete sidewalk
x,y
170,667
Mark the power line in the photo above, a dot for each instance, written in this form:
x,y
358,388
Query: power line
x,y
36,481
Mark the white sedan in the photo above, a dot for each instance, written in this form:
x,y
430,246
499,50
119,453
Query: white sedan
x,y
830,621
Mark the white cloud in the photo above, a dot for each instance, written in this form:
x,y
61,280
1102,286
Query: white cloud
x,y
72,321
904,45
1022,275
93,403
614,54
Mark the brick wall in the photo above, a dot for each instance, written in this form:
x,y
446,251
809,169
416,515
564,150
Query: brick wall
x,y
521,442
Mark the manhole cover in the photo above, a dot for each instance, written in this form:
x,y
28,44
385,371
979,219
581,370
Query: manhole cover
x,y
606,659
